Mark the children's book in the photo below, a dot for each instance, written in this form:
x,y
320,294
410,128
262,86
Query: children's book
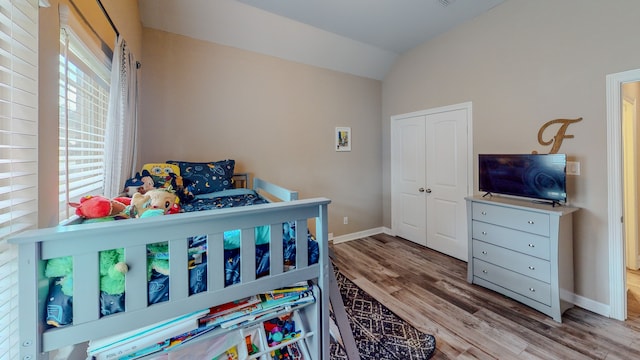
x,y
269,300
218,320
232,306
226,311
139,338
297,287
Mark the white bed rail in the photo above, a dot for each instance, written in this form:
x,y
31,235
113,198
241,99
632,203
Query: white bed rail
x,y
83,242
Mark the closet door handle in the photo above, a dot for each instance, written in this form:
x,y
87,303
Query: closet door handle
x,y
421,190
428,191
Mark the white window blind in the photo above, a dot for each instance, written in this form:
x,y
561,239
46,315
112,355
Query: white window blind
x,y
18,151
84,96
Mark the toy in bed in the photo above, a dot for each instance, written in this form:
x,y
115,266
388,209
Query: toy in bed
x,y
152,203
100,207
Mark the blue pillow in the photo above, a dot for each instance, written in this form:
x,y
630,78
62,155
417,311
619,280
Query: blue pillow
x,y
207,177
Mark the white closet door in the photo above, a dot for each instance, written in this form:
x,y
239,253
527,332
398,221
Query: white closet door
x,y
447,182
408,167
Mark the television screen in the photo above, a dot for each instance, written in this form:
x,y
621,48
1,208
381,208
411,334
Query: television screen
x,y
538,176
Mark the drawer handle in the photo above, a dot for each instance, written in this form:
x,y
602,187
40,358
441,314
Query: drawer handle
x,y
484,233
532,267
531,246
532,289
530,222
485,272
484,252
483,212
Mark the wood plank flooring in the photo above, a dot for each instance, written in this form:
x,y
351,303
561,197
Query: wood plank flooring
x,y
430,290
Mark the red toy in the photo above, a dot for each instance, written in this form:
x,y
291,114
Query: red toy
x,y
96,206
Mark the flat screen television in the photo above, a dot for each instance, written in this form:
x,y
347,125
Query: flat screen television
x,y
537,176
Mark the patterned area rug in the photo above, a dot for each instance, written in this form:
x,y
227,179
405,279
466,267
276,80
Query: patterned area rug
x,y
379,333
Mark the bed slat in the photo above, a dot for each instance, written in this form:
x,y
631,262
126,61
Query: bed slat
x,y
86,288
179,268
276,253
302,247
215,264
247,255
136,278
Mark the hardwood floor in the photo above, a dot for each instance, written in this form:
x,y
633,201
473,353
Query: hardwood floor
x,y
430,290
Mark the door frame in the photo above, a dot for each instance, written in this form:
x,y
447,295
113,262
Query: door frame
x,y
617,273
470,175
630,183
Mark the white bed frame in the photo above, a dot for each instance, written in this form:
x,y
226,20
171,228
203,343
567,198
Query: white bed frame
x,y
83,242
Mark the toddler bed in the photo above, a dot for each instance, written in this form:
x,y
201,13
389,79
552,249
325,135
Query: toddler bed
x,y
257,267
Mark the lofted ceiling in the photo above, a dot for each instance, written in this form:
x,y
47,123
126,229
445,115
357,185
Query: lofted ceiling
x,y
361,37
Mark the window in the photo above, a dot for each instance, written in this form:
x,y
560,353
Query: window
x,y
18,151
84,97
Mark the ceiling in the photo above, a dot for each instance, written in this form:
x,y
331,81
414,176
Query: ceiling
x,y
393,25
362,37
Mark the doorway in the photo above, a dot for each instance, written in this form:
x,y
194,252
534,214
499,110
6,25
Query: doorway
x,y
616,174
630,98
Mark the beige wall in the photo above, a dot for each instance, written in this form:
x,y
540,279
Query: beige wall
x,y
125,15
522,64
205,102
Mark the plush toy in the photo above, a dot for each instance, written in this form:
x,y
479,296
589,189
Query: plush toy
x,y
183,188
157,259
97,206
148,182
152,203
133,185
158,272
140,183
112,271
61,269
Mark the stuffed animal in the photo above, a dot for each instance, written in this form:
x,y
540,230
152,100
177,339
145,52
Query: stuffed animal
x,y
183,188
112,271
157,259
158,272
152,203
97,206
133,185
148,182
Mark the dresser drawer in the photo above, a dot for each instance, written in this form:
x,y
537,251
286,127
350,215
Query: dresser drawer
x,y
523,285
524,264
529,221
527,243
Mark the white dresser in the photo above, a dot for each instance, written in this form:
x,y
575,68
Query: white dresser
x,y
523,250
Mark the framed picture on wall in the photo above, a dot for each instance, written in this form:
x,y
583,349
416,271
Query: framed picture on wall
x,y
343,139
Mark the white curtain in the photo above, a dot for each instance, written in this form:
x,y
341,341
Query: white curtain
x,y
122,121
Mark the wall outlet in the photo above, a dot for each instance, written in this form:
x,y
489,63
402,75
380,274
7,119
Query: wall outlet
x,y
346,220
573,168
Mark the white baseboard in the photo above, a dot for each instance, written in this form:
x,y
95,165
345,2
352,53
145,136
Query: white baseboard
x,y
358,235
588,304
